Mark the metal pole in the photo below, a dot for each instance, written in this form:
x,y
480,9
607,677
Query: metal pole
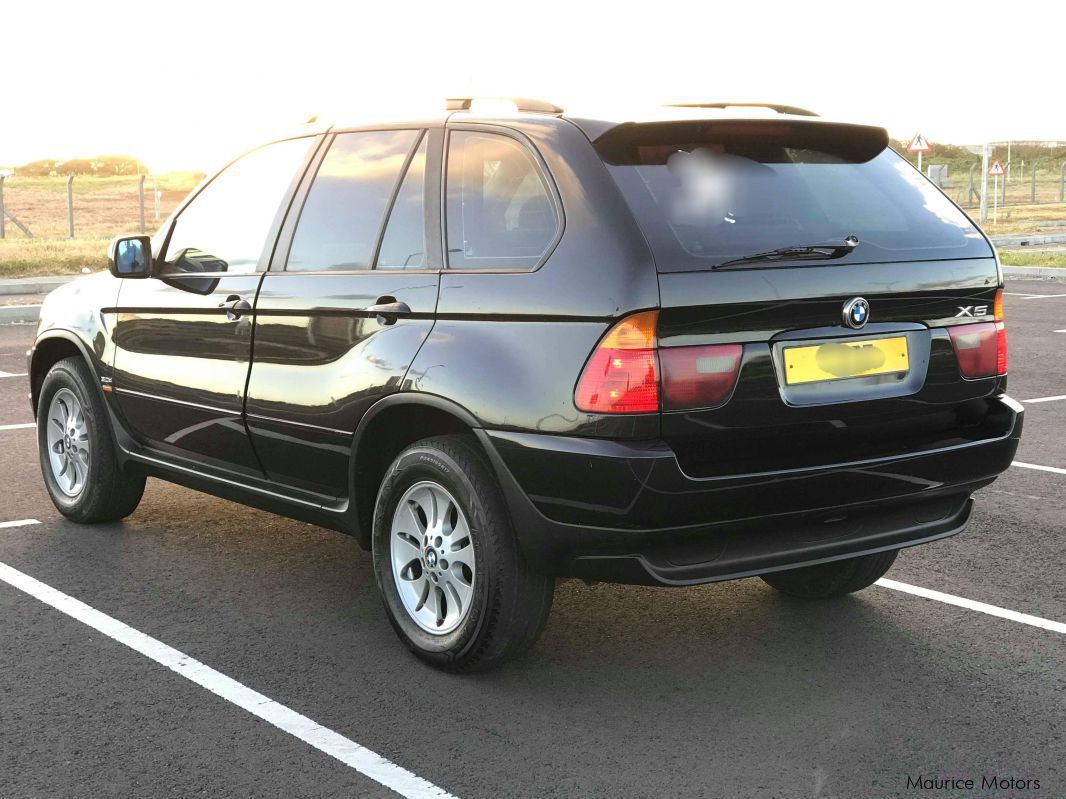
x,y
1007,178
1032,186
972,191
984,184
70,205
3,210
919,160
1062,182
995,204
141,190
155,195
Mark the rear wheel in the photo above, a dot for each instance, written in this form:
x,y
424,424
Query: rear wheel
x,y
78,460
832,579
455,585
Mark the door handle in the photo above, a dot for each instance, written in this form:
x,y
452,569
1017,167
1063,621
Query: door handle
x,y
388,310
235,306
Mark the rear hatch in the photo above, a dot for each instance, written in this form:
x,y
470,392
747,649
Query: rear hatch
x,y
820,299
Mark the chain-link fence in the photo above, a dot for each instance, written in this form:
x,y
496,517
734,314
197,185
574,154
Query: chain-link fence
x,y
1035,173
58,207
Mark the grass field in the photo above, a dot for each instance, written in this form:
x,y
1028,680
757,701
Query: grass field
x,y
103,208
107,207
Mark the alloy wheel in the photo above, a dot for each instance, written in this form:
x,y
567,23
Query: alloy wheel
x,y
432,557
67,436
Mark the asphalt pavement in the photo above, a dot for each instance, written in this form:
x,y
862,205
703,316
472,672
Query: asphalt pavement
x,y
726,690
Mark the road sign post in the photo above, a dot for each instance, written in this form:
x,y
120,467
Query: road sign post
x,y
918,145
984,184
996,171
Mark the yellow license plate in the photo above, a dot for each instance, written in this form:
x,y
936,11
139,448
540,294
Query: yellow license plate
x,y
837,360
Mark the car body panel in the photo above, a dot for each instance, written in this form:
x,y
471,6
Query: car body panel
x,y
322,359
181,365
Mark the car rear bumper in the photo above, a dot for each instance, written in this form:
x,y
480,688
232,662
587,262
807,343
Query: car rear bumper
x,y
627,512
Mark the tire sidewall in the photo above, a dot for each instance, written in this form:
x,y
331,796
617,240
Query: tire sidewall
x,y
414,465
61,376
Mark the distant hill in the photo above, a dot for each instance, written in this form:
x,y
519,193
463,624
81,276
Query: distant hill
x,y
101,166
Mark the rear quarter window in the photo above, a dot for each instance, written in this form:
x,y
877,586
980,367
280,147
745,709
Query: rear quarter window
x,y
499,211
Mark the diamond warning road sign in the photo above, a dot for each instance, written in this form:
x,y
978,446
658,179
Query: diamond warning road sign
x,y
996,169
918,144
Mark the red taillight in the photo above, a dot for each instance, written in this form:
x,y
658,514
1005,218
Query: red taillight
x,y
1001,349
699,377
1001,334
975,348
622,376
981,349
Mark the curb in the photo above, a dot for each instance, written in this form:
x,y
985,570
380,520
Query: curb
x,y
1034,272
19,314
33,285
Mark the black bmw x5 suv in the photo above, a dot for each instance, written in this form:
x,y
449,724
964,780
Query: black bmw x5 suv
x,y
706,343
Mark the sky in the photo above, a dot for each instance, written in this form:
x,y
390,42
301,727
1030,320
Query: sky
x,y
188,85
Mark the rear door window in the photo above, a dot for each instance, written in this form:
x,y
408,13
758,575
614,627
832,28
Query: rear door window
x,y
705,195
404,244
342,216
499,211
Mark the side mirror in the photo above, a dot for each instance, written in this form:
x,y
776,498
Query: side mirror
x,y
130,256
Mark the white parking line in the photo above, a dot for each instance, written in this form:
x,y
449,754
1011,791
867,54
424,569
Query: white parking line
x,y
19,523
1045,399
1053,469
11,374
310,732
17,426
969,604
1042,296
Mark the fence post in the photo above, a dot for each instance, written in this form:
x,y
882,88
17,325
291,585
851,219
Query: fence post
x,y
70,205
141,189
155,196
3,210
973,191
1062,182
1032,185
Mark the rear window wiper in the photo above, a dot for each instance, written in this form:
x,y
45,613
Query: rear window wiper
x,y
819,252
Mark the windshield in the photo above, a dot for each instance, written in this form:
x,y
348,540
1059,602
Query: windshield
x,y
705,202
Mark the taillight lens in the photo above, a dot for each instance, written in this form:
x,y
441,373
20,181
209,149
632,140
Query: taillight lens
x,y
976,348
981,349
622,376
699,377
1001,334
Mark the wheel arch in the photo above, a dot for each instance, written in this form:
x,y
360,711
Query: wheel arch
x,y
48,350
386,429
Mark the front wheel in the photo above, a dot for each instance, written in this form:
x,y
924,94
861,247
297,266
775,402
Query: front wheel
x,y
832,579
78,460
454,582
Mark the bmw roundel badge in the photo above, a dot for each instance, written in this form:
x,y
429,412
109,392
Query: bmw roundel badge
x,y
856,312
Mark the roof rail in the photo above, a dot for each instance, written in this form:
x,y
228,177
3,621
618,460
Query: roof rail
x,y
520,103
781,109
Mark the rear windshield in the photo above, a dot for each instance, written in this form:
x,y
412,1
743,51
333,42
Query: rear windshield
x,y
705,194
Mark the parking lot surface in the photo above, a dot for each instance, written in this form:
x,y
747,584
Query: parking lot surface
x,y
726,690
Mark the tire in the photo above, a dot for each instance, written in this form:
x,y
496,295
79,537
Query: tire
x,y
100,491
833,579
494,606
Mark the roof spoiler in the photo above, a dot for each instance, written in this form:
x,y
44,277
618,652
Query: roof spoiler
x,y
781,109
765,140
